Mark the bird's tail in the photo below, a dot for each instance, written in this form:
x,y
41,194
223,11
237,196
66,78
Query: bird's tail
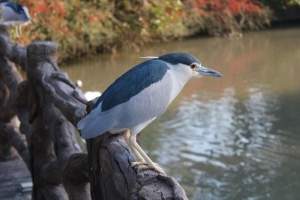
x,y
93,125
81,125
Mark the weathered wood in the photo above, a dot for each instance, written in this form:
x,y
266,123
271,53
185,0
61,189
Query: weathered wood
x,y
22,110
18,54
12,141
14,52
76,177
11,135
9,81
112,176
53,140
64,93
7,151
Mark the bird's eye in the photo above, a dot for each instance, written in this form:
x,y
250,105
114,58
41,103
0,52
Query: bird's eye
x,y
192,66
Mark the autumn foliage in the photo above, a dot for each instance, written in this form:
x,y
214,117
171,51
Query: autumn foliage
x,y
230,17
85,26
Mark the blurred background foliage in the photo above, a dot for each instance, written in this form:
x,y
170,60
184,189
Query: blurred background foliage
x,y
89,26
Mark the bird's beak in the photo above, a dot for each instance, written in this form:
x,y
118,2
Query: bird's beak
x,y
205,71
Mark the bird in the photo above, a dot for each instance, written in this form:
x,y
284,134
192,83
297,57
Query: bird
x,y
14,14
138,97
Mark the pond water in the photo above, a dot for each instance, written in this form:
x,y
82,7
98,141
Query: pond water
x,y
236,137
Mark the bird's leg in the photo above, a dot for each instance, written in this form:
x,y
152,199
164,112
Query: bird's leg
x,y
17,31
136,153
20,29
151,165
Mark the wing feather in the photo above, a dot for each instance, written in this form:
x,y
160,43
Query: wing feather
x,y
96,123
148,104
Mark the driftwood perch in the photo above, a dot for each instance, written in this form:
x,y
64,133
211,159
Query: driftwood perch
x,y
12,51
11,140
110,159
59,169
53,139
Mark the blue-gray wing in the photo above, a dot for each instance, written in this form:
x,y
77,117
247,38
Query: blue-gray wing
x,y
23,14
132,82
149,103
146,105
140,95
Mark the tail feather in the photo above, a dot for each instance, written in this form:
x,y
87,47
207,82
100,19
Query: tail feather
x,y
81,125
93,125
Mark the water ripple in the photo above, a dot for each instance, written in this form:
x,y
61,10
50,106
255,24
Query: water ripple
x,y
221,140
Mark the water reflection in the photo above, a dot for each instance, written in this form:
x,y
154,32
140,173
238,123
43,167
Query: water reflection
x,y
230,138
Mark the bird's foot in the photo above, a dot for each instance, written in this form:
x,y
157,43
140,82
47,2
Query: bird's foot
x,y
138,163
155,167
141,162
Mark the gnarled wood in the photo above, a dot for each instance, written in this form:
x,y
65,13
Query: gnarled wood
x,y
14,52
112,176
11,136
53,140
12,142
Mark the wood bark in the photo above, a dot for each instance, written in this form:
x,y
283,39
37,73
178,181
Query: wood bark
x,y
12,51
53,140
12,143
53,179
112,176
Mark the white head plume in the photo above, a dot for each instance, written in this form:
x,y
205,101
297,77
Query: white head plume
x,y
148,57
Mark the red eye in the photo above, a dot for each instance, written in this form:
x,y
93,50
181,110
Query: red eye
x,y
192,66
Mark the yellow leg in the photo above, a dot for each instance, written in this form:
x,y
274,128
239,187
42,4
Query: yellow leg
x,y
152,165
17,31
136,153
20,29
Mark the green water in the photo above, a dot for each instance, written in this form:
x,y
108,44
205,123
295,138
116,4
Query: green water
x,y
236,137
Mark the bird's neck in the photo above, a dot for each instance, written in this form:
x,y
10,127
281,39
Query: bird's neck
x,y
180,78
182,74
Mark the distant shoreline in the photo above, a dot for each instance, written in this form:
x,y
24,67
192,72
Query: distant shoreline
x,y
84,28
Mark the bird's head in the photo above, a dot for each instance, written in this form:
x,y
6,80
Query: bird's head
x,y
189,63
198,70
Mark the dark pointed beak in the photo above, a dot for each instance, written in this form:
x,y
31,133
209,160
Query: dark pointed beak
x,y
205,71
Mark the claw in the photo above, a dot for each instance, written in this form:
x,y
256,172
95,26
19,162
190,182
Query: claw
x,y
138,163
155,167
141,162
142,165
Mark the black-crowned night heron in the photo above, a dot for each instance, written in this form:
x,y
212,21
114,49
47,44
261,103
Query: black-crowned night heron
x,y
14,14
139,96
